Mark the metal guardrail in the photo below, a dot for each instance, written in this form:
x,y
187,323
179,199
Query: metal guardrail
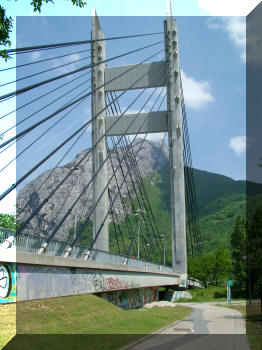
x,y
31,244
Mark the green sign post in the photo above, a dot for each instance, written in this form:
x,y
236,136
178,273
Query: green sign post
x,y
229,284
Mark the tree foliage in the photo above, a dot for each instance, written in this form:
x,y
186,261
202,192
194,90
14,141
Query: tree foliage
x,y
8,221
238,244
6,23
211,268
254,253
5,30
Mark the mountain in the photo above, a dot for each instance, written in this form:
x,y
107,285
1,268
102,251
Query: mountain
x,y
220,198
150,157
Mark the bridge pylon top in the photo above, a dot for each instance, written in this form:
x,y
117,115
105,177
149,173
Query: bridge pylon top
x,y
168,8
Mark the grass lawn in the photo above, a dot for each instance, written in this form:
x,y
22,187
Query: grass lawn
x,y
207,294
253,320
89,315
7,323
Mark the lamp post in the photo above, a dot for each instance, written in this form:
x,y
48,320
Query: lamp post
x,y
138,236
148,246
138,213
78,190
164,259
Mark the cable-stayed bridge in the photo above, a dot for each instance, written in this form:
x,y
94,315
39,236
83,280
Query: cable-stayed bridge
x,y
115,242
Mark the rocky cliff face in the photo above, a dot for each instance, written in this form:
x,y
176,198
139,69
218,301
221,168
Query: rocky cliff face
x,y
150,158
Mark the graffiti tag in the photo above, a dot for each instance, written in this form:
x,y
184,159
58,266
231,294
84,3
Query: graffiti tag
x,y
115,283
5,281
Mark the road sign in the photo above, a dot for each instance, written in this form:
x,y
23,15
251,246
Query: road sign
x,y
230,283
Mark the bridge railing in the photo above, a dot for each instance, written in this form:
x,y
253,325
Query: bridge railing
x,y
31,243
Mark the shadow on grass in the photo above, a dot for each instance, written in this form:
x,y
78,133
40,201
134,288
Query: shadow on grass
x,y
114,342
67,341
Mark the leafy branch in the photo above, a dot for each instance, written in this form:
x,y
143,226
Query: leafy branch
x,y
6,23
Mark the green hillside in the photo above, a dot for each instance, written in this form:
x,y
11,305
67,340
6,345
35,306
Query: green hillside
x,y
216,191
220,200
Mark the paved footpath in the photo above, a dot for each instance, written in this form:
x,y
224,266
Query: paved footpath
x,y
208,327
209,319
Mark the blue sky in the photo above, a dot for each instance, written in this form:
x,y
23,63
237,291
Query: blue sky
x,y
211,57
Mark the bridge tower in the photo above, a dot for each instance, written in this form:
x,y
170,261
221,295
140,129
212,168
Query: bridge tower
x,y
176,146
99,155
146,75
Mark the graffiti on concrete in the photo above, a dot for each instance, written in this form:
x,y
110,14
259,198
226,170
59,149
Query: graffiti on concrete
x,y
116,284
181,295
7,283
28,282
37,282
98,282
131,298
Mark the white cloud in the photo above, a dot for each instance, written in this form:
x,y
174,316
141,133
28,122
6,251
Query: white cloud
x,y
235,28
73,57
228,7
196,93
44,21
35,55
238,144
155,137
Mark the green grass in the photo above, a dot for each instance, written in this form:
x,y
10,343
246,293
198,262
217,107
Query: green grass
x,y
7,323
253,320
89,315
207,294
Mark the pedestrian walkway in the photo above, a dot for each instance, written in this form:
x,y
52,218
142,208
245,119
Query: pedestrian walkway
x,y
208,327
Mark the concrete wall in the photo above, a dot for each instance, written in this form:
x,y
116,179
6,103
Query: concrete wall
x,y
21,282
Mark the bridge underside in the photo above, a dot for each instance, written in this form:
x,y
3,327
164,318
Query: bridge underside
x,y
33,276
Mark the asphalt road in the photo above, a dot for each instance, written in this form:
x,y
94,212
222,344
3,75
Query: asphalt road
x,y
208,327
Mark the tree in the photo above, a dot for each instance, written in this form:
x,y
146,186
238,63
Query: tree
x,y
201,268
222,264
211,268
238,244
6,23
8,221
254,253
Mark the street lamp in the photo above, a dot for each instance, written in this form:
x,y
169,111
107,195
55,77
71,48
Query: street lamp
x,y
138,235
164,236
147,264
139,212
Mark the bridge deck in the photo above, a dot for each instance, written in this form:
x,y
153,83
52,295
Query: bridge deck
x,y
31,244
37,276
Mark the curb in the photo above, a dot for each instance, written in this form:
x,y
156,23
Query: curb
x,y
128,346
162,329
